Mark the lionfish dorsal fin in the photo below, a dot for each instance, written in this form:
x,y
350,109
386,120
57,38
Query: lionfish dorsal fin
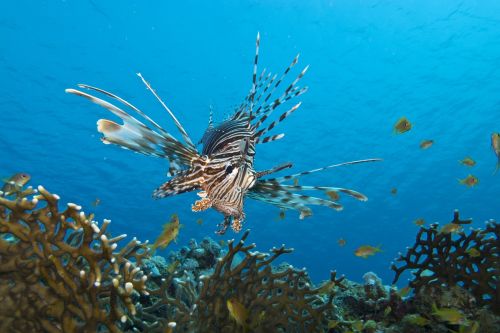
x,y
254,75
211,116
181,129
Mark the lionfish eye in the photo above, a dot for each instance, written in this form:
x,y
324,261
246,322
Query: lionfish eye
x,y
229,169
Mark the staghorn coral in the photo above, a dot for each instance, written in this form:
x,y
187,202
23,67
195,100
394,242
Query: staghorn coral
x,y
60,272
276,300
439,258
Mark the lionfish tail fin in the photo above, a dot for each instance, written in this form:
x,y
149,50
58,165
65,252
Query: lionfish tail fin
x,y
134,134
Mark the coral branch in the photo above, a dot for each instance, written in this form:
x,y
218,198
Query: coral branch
x,y
60,272
471,261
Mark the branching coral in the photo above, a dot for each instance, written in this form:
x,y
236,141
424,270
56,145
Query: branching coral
x,y
275,300
471,261
60,272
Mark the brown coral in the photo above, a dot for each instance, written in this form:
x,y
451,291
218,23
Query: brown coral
x,y
276,300
60,271
443,258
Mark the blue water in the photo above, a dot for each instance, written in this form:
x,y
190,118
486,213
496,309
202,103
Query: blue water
x,y
372,62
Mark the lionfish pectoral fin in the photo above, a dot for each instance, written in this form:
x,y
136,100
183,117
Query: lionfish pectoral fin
x,y
181,183
278,195
273,170
295,175
174,168
134,134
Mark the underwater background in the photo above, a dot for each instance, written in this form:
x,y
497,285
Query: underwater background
x,y
372,62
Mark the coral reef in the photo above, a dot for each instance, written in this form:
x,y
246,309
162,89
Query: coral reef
x,y
60,271
471,261
275,300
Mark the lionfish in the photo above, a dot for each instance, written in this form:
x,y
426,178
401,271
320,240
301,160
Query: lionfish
x,y
223,172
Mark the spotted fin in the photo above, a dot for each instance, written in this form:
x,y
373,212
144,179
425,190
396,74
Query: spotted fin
x,y
285,196
279,196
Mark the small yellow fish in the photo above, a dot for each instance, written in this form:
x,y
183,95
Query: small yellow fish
x,y
416,319
394,191
426,144
365,251
469,181
451,228
452,316
495,144
305,213
96,202
473,252
282,214
199,221
402,125
15,183
403,292
420,222
169,233
222,242
468,161
341,242
295,182
333,195
237,311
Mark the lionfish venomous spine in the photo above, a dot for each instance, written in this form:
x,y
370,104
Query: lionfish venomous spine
x,y
224,170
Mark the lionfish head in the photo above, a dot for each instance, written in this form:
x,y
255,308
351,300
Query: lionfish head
x,y
227,185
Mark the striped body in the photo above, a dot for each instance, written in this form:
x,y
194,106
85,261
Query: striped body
x,y
223,172
229,173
